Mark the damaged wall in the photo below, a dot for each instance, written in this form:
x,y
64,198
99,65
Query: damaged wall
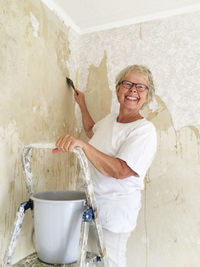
x,y
168,226
36,106
168,231
37,52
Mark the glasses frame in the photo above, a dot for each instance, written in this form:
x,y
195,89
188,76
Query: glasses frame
x,y
134,84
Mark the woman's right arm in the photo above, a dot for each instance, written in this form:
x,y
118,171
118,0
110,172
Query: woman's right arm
x,y
87,120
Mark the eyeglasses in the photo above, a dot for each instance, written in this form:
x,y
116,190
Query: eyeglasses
x,y
139,86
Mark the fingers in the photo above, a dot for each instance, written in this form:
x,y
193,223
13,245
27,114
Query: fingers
x,y
76,95
76,92
67,143
63,143
79,97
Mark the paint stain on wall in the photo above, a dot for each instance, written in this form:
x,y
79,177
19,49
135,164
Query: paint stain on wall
x,y
161,117
98,95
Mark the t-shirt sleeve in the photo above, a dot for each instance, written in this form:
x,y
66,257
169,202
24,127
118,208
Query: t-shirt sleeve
x,y
138,149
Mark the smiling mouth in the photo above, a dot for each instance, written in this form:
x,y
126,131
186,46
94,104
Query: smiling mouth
x,y
132,98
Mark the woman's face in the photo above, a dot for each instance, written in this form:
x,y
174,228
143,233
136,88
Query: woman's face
x,y
133,98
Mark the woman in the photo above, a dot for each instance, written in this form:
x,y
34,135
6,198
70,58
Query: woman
x,y
121,149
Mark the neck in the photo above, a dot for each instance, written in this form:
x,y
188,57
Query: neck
x,y
126,116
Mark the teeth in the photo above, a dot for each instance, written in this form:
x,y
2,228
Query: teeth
x,y
131,98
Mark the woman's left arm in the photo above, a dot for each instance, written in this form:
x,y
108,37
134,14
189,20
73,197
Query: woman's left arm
x,y
107,165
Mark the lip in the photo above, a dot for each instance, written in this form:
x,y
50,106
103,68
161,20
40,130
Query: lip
x,y
132,98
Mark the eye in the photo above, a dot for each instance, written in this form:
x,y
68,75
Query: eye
x,y
141,87
127,84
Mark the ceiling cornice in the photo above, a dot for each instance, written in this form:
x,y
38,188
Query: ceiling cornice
x,y
52,5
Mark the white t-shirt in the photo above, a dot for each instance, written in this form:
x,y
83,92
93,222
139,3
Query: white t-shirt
x,y
118,200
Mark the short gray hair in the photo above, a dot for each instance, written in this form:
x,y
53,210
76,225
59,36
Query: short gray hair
x,y
141,69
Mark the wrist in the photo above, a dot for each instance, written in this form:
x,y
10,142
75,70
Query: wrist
x,y
84,146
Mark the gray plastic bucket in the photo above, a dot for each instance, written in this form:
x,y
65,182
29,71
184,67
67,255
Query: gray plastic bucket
x,y
57,223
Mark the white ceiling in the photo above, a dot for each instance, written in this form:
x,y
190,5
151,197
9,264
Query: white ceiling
x,y
92,15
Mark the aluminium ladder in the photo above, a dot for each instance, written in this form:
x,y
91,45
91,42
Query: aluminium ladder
x,y
89,216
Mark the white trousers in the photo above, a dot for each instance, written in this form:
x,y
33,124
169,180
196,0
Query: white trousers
x,y
115,248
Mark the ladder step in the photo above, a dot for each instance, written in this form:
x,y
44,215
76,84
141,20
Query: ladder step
x,y
33,261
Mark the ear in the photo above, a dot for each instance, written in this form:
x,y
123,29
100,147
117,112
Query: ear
x,y
117,87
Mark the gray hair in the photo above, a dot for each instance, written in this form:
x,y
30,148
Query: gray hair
x,y
141,69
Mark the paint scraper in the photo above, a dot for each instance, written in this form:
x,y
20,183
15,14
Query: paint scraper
x,y
71,84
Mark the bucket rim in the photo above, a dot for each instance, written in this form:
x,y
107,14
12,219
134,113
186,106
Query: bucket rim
x,y
35,198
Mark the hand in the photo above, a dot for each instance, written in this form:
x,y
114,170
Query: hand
x,y
67,143
79,97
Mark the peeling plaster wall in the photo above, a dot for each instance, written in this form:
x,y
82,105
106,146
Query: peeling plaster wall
x,y
168,232
36,106
97,90
37,52
169,47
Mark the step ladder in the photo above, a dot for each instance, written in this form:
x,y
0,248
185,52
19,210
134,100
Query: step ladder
x,y
90,216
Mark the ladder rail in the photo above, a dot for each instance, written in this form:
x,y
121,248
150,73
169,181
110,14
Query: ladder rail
x,y
91,199
91,202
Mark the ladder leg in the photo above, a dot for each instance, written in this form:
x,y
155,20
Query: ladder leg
x,y
100,242
91,201
16,231
83,244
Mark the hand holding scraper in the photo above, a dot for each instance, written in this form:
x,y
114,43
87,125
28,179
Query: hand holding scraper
x,y
71,84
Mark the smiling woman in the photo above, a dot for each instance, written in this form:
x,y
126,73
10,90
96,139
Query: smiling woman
x,y
121,149
134,88
141,70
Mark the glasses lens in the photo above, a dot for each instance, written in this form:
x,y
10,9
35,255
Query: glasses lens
x,y
140,87
127,85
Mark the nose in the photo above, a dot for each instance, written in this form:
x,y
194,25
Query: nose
x,y
133,88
